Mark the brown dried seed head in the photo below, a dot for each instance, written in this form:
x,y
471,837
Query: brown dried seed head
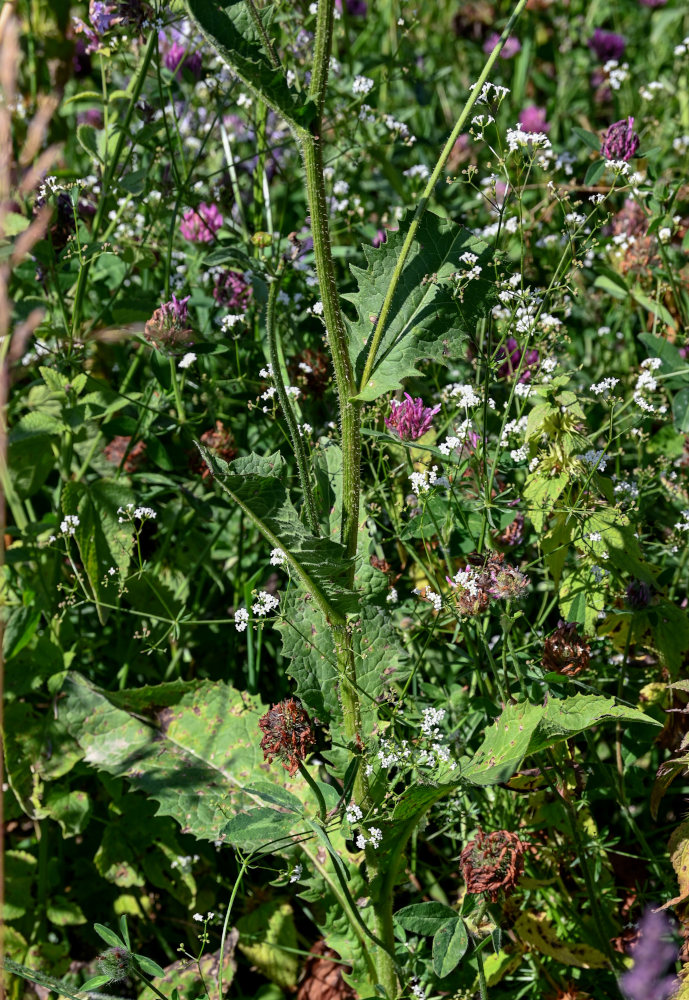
x,y
492,863
564,652
288,734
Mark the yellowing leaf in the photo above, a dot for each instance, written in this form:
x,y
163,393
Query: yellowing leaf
x,y
268,938
538,932
678,846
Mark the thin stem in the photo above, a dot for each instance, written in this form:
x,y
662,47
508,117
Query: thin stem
x,y
292,426
223,937
427,193
109,175
303,770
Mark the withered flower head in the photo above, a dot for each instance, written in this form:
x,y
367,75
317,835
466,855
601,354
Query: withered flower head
x,y
288,734
168,327
219,440
564,652
492,863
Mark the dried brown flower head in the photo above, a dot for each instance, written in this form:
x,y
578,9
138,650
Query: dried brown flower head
x,y
220,441
492,863
130,460
564,652
288,734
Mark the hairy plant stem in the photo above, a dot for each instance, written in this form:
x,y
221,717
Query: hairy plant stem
x,y
288,412
427,193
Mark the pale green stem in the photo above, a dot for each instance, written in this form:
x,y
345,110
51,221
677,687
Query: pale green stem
x,y
288,412
109,175
427,193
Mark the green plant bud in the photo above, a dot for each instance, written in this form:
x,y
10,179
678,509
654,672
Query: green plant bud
x,y
261,239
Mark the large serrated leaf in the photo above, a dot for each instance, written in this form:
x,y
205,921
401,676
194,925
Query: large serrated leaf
x,y
254,483
104,538
229,27
525,729
196,758
425,321
308,644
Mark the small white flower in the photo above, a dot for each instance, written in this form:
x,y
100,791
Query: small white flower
x,y
70,524
187,360
362,85
241,617
277,557
296,873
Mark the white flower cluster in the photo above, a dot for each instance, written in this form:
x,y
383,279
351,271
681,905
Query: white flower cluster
x,y
69,525
464,394
187,360
683,47
455,441
683,525
421,482
430,595
130,513
362,85
492,93
617,73
265,603
606,385
418,170
646,383
277,557
517,139
241,618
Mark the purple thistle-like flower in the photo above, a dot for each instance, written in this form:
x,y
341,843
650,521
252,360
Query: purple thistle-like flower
x,y
532,119
653,953
380,238
512,353
509,49
201,226
620,142
607,44
409,419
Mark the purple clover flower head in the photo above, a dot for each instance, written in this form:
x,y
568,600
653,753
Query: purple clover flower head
x,y
653,3
620,142
653,954
532,119
512,354
409,419
509,49
638,595
175,58
355,8
607,44
232,291
102,16
380,238
201,226
177,308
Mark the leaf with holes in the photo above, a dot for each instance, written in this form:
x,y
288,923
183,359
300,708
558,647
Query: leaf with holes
x,y
196,757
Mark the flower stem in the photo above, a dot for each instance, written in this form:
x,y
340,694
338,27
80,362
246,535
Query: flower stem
x,y
109,175
427,193
297,440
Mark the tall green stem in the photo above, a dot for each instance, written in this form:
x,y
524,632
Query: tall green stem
x,y
109,176
428,191
288,412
